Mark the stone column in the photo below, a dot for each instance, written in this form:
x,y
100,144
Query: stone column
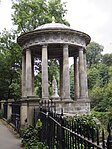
x,y
66,76
44,72
9,111
82,74
23,75
61,77
76,77
85,68
28,73
33,76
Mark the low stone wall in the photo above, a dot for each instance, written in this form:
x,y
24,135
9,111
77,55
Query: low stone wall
x,y
73,107
28,104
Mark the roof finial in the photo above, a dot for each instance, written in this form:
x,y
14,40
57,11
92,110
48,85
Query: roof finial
x,y
53,19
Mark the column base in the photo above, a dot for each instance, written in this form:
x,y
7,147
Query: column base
x,y
66,99
45,98
54,98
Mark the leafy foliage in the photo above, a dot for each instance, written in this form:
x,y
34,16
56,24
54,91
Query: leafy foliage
x,y
107,59
85,124
99,78
103,117
31,13
94,55
10,64
98,75
72,81
30,138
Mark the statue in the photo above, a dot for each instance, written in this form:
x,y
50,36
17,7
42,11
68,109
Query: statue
x,y
54,88
53,19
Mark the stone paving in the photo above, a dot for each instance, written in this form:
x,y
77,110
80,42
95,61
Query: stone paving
x,y
7,139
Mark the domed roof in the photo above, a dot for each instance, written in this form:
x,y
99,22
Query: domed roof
x,y
53,25
44,31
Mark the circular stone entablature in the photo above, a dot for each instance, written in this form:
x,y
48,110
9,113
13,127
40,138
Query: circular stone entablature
x,y
54,35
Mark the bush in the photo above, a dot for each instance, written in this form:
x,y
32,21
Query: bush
x,y
87,125
101,116
30,137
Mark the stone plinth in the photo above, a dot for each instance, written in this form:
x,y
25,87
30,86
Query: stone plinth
x,y
23,113
73,107
31,105
27,109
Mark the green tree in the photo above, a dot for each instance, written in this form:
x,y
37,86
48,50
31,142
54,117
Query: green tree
x,y
72,81
57,9
107,59
99,77
93,77
10,63
96,96
94,55
31,13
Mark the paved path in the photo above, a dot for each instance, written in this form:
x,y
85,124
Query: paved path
x,y
7,139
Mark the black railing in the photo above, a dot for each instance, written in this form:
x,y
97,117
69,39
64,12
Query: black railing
x,y
5,109
14,113
15,117
58,133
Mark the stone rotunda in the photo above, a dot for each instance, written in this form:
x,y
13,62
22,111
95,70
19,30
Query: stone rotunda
x,y
56,41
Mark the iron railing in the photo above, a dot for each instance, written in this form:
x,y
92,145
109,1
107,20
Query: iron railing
x,y
15,116
57,133
5,110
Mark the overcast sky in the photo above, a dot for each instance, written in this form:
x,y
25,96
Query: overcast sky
x,y
93,17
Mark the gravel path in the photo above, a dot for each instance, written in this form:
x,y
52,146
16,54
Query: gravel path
x,y
7,139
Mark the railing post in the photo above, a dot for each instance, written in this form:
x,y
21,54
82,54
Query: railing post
x,y
109,139
103,139
34,122
49,129
62,133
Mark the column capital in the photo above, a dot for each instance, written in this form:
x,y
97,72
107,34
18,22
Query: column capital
x,y
81,49
44,46
27,49
65,46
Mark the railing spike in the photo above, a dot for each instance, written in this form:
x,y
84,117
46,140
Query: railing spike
x,y
109,139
